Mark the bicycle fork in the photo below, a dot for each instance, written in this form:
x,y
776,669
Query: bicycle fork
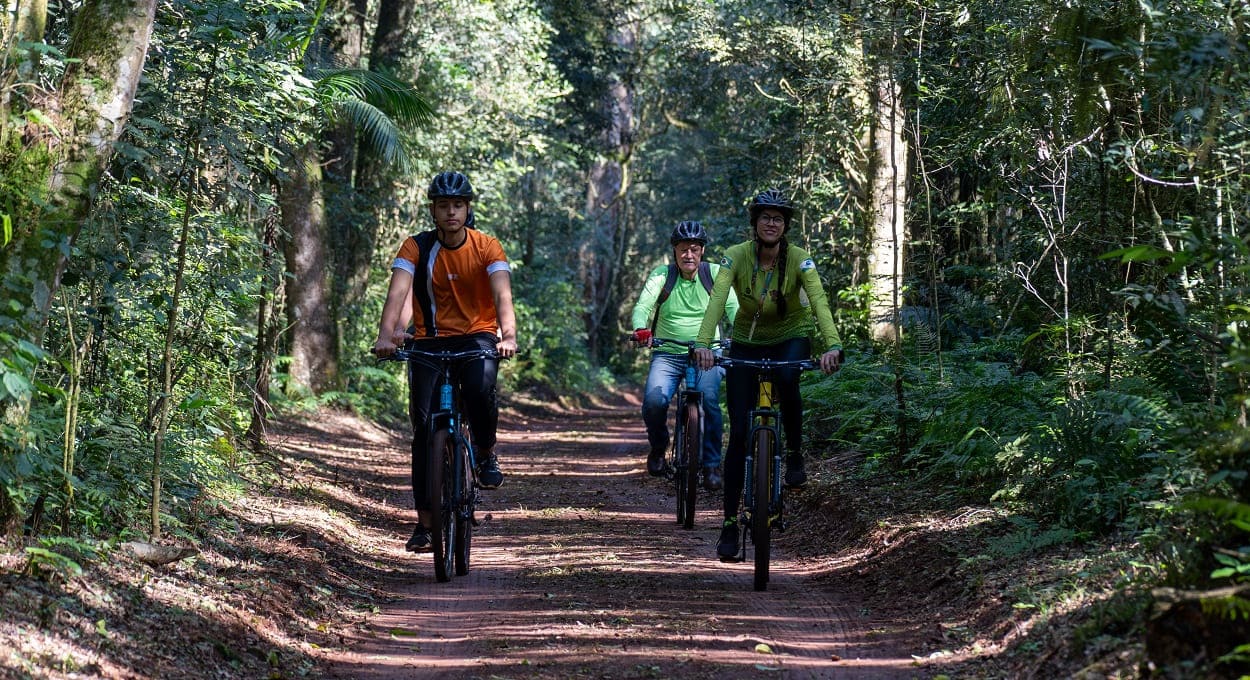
x,y
464,490
776,504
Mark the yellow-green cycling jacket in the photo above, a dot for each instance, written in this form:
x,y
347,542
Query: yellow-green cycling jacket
x,y
758,321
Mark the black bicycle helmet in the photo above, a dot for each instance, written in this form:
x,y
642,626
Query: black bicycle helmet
x,y
450,185
689,231
771,199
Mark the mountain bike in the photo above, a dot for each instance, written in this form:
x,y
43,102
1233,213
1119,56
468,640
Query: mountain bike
x,y
687,444
763,498
452,490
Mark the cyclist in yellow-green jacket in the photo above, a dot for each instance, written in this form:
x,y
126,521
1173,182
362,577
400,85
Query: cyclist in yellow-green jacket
x,y
779,292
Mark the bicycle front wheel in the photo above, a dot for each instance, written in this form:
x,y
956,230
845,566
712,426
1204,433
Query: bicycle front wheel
x,y
763,445
688,487
465,499
442,510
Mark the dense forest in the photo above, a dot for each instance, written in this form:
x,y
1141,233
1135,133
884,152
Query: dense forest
x,y
1030,217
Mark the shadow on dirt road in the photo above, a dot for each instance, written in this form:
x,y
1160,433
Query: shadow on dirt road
x,y
579,570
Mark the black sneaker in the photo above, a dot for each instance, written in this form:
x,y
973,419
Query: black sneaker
x,y
655,463
796,476
712,481
488,474
420,541
727,547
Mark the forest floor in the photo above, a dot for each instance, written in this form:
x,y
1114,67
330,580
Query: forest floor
x,y
579,571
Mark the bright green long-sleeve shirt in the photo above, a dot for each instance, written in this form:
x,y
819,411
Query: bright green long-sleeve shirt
x,y
758,321
682,313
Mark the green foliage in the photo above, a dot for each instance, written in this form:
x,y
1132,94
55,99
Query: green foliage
x,y
1094,461
1234,564
377,103
983,431
1059,152
553,339
59,557
1028,537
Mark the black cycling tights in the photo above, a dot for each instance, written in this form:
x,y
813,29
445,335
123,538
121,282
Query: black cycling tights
x,y
477,392
741,390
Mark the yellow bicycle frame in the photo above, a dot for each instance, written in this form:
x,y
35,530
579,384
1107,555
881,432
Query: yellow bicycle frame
x,y
765,398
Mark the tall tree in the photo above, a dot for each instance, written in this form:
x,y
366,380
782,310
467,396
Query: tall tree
x,y
887,210
105,56
357,103
608,197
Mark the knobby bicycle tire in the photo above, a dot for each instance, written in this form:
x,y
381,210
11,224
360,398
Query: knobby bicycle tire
x,y
442,512
464,505
764,446
678,465
692,443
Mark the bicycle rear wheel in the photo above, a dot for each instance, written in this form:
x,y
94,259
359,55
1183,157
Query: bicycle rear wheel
x,y
764,445
688,485
442,511
466,499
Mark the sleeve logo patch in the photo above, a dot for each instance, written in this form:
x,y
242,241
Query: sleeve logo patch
x,y
807,265
726,262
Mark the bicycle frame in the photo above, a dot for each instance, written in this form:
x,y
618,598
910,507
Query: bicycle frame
x,y
763,501
451,465
765,419
687,444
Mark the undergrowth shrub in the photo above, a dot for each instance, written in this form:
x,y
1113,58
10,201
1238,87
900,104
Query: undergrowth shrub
x,y
1092,462
983,431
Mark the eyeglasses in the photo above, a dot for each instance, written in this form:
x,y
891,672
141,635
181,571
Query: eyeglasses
x,y
771,219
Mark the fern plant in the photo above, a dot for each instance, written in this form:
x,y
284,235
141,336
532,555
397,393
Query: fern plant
x,y
1094,460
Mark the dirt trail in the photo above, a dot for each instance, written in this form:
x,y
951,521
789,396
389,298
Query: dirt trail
x,y
580,571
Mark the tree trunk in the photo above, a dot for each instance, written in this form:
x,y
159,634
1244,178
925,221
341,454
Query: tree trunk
x,y
889,201
313,334
107,49
310,327
390,43
346,49
62,167
372,194
266,340
606,204
165,402
24,22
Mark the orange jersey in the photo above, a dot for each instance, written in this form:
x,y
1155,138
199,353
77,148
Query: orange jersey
x,y
451,292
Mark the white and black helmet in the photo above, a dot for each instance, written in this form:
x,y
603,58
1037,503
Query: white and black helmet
x,y
689,231
450,185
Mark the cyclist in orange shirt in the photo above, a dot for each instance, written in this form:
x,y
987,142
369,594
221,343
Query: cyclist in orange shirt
x,y
455,284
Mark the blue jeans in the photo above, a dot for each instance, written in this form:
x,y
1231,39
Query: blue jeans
x,y
667,370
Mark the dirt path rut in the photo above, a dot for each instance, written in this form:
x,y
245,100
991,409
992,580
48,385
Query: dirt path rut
x,y
580,571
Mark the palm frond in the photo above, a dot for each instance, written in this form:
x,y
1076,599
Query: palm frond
x,y
388,94
377,131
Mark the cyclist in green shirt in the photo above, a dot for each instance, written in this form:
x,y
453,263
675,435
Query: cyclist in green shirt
x,y
677,317
779,291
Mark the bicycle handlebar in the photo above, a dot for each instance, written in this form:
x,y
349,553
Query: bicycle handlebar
x,y
766,364
445,355
657,341
688,344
